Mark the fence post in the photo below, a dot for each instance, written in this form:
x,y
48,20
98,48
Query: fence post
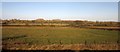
x,y
94,42
85,42
49,41
118,42
71,42
60,42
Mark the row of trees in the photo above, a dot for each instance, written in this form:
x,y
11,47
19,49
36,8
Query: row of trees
x,y
75,23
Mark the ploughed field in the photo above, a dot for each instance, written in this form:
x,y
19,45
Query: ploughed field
x,y
58,38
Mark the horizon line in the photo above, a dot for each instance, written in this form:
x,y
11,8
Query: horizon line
x,y
66,20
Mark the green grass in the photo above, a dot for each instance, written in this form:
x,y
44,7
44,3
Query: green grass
x,y
57,35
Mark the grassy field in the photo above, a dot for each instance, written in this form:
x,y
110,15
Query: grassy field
x,y
56,35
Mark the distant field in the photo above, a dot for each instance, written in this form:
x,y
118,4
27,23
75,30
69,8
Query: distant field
x,y
56,35
106,28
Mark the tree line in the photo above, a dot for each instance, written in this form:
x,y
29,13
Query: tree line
x,y
57,22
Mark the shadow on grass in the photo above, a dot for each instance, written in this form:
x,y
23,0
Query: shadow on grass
x,y
14,37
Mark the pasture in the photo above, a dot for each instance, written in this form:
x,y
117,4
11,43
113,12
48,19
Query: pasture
x,y
56,35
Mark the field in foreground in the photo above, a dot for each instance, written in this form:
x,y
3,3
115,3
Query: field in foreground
x,y
59,38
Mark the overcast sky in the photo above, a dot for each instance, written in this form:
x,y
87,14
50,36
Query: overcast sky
x,y
96,11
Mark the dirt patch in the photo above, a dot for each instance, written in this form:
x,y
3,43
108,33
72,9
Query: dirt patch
x,y
65,47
